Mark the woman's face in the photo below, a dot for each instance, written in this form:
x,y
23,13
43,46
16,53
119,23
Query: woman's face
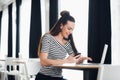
x,y
67,29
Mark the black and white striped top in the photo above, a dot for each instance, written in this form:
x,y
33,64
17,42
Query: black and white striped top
x,y
55,51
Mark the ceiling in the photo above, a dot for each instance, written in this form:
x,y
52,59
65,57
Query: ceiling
x,y
5,3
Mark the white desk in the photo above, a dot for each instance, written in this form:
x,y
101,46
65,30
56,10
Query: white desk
x,y
86,68
78,66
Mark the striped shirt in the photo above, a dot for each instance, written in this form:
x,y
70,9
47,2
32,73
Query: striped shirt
x,y
55,51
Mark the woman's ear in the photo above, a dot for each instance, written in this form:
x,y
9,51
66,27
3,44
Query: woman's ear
x,y
61,26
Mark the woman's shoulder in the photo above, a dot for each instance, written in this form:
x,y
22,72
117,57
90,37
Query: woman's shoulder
x,y
47,35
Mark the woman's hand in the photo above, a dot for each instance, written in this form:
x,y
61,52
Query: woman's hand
x,y
73,59
81,59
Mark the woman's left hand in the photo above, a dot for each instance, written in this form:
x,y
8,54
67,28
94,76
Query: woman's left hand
x,y
81,59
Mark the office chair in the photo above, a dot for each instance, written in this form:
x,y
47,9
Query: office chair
x,y
109,72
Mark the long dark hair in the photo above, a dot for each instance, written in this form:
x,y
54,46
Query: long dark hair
x,y
65,16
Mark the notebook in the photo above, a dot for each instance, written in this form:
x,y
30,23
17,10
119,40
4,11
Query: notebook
x,y
103,55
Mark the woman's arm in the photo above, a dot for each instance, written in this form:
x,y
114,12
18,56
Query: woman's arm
x,y
49,62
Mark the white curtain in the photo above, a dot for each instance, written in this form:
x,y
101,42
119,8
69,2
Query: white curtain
x,y
25,14
4,31
4,34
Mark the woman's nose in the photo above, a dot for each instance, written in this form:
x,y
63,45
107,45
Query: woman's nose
x,y
70,31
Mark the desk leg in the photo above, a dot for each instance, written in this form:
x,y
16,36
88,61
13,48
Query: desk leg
x,y
86,75
90,74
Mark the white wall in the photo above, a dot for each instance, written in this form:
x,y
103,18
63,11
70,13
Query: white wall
x,y
115,23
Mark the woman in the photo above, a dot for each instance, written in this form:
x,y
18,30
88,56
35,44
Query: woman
x,y
55,45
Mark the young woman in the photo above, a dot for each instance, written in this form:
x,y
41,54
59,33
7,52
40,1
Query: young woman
x,y
55,45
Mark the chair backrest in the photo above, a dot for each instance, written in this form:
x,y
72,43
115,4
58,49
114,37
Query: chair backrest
x,y
109,72
10,65
10,68
33,66
2,63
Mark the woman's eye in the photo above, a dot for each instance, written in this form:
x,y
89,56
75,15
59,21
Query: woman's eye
x,y
69,28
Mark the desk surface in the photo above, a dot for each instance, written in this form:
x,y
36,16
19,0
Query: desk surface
x,y
78,66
